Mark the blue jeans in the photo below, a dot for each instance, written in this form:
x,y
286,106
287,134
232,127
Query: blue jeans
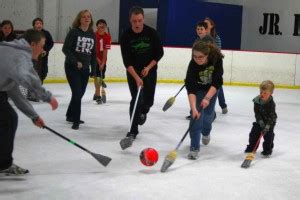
x,y
204,124
221,98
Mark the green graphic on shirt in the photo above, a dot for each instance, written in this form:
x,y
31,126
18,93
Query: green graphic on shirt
x,y
206,75
141,45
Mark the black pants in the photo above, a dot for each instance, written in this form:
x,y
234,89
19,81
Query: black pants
x,y
146,98
78,80
8,127
268,138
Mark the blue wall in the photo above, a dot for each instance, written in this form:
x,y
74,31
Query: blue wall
x,y
182,19
177,19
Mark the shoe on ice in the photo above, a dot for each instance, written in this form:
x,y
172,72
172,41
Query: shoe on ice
x,y
193,155
205,139
75,126
266,153
126,142
103,98
224,110
142,119
14,170
99,100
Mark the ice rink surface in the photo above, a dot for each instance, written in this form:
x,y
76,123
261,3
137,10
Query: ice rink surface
x,y
62,171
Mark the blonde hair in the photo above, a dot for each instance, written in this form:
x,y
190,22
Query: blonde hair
x,y
76,22
267,85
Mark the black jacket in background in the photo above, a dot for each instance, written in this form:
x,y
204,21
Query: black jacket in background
x,y
9,38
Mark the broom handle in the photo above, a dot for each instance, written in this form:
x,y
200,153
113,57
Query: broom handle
x,y
134,108
188,130
257,143
64,137
179,90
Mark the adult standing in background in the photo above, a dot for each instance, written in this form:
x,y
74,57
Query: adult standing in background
x,y
211,29
141,50
7,31
80,52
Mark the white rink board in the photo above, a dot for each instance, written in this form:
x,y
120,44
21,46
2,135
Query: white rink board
x,y
239,66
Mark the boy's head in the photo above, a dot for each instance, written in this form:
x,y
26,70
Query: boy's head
x,y
36,40
266,89
101,25
201,29
37,24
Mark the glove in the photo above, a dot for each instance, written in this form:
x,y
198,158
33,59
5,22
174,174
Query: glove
x,y
261,124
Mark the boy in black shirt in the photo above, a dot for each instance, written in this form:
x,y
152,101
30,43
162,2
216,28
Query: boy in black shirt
x,y
141,50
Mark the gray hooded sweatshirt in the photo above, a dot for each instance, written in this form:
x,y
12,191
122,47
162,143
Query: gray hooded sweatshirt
x,y
16,68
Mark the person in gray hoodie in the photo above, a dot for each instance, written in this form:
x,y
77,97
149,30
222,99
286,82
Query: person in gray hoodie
x,y
17,69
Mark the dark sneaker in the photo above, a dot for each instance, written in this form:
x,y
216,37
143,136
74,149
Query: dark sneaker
x,y
103,98
14,170
266,153
193,155
104,84
142,119
224,110
126,142
99,100
94,98
188,117
75,126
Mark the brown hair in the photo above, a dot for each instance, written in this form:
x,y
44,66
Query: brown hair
x,y
267,85
136,10
32,35
213,32
207,48
7,22
76,22
37,20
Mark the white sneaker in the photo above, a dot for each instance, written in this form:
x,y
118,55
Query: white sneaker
x,y
205,139
193,155
14,170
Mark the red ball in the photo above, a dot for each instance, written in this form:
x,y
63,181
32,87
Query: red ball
x,y
149,157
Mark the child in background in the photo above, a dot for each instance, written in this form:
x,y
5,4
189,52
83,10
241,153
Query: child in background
x,y
265,115
103,42
211,30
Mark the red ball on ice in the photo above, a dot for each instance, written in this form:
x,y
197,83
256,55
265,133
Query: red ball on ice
x,y
149,157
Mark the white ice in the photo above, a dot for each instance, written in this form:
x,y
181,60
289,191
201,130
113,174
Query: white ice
x,y
59,170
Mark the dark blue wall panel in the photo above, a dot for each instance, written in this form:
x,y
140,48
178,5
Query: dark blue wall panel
x,y
177,19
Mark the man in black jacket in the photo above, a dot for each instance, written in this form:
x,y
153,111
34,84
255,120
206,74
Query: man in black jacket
x,y
141,50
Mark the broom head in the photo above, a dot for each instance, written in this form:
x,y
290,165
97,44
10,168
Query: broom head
x,y
169,103
169,160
